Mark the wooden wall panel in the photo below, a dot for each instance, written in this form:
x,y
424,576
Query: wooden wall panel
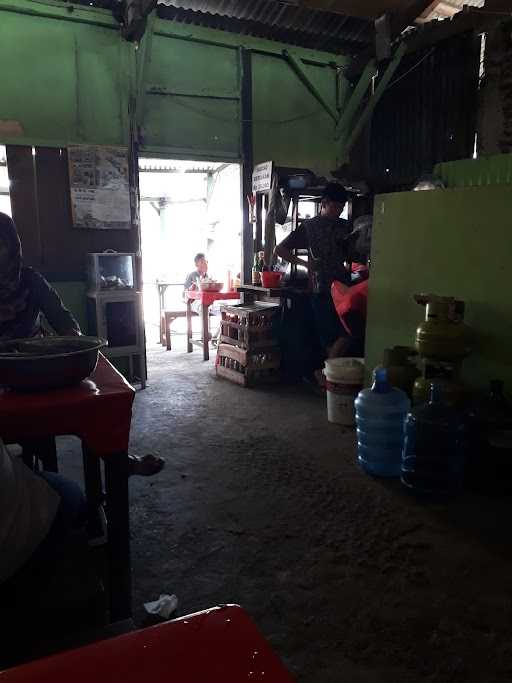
x,y
42,212
20,164
61,253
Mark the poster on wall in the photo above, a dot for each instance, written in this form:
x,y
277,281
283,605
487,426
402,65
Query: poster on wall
x,y
100,187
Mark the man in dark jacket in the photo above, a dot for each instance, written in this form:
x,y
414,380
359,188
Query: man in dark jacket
x,y
325,239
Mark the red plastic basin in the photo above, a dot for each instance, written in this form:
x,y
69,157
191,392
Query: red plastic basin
x,y
270,279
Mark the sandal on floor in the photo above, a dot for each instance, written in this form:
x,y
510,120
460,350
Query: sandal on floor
x,y
145,466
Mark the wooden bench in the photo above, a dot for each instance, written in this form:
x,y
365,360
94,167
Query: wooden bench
x,y
166,320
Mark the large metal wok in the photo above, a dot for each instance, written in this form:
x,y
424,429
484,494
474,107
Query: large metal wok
x,y
47,362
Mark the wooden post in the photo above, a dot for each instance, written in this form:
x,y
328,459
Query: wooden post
x,y
247,162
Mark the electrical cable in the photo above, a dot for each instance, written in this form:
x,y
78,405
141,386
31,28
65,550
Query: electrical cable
x,y
225,119
415,66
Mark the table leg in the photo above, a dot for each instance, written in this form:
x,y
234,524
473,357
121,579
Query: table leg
x,y
92,478
47,452
93,492
189,325
27,454
43,449
206,332
118,520
168,323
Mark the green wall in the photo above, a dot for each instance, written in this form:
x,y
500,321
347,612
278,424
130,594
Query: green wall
x,y
73,295
68,77
64,75
448,242
290,125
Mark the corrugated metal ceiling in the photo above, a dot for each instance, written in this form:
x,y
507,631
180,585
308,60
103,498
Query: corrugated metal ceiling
x,y
275,20
318,24
315,24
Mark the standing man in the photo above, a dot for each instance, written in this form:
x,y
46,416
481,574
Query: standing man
x,y
325,239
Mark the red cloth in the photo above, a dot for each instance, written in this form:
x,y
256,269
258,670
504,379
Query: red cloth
x,y
347,299
207,298
220,645
98,410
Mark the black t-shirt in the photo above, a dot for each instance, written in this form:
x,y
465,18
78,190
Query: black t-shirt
x,y
326,243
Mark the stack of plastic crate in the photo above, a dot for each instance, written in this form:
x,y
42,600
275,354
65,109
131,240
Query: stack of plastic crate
x,y
249,352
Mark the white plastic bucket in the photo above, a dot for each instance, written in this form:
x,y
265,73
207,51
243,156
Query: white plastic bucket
x,y
345,378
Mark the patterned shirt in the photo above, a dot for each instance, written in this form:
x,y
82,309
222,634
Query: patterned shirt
x,y
325,239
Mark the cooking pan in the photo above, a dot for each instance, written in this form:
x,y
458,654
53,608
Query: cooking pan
x,y
47,362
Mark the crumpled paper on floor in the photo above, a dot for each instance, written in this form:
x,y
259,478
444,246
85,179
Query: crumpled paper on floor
x,y
163,607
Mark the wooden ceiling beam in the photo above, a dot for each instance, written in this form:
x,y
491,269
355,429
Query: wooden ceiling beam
x,y
431,8
398,23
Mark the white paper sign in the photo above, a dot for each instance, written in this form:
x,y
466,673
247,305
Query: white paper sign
x,y
100,187
262,177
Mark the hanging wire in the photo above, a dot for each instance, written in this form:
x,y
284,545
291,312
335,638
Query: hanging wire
x,y
225,119
415,66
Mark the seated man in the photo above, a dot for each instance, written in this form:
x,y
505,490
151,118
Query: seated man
x,y
192,282
192,279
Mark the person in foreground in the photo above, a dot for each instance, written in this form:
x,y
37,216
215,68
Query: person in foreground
x,y
26,298
42,531
34,507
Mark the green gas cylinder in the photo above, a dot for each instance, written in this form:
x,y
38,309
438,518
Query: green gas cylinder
x,y
441,336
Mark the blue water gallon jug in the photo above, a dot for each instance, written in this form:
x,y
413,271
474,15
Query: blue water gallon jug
x,y
380,418
434,450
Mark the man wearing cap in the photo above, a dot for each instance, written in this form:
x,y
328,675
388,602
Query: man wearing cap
x,y
326,239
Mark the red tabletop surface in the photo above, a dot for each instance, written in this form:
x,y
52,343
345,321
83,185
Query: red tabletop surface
x,y
221,645
98,410
207,298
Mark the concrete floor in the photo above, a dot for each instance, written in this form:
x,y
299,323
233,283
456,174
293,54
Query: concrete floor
x,y
350,579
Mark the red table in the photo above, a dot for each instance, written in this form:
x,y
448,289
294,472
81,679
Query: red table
x,y
206,299
98,411
220,645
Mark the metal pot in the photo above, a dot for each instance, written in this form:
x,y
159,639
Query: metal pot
x,y
47,362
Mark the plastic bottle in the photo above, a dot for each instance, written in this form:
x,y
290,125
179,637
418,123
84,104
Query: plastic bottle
x,y
433,459
490,464
380,417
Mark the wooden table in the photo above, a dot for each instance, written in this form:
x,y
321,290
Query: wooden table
x,y
257,292
98,411
206,299
219,645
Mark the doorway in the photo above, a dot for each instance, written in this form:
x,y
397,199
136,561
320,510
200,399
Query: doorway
x,y
186,208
